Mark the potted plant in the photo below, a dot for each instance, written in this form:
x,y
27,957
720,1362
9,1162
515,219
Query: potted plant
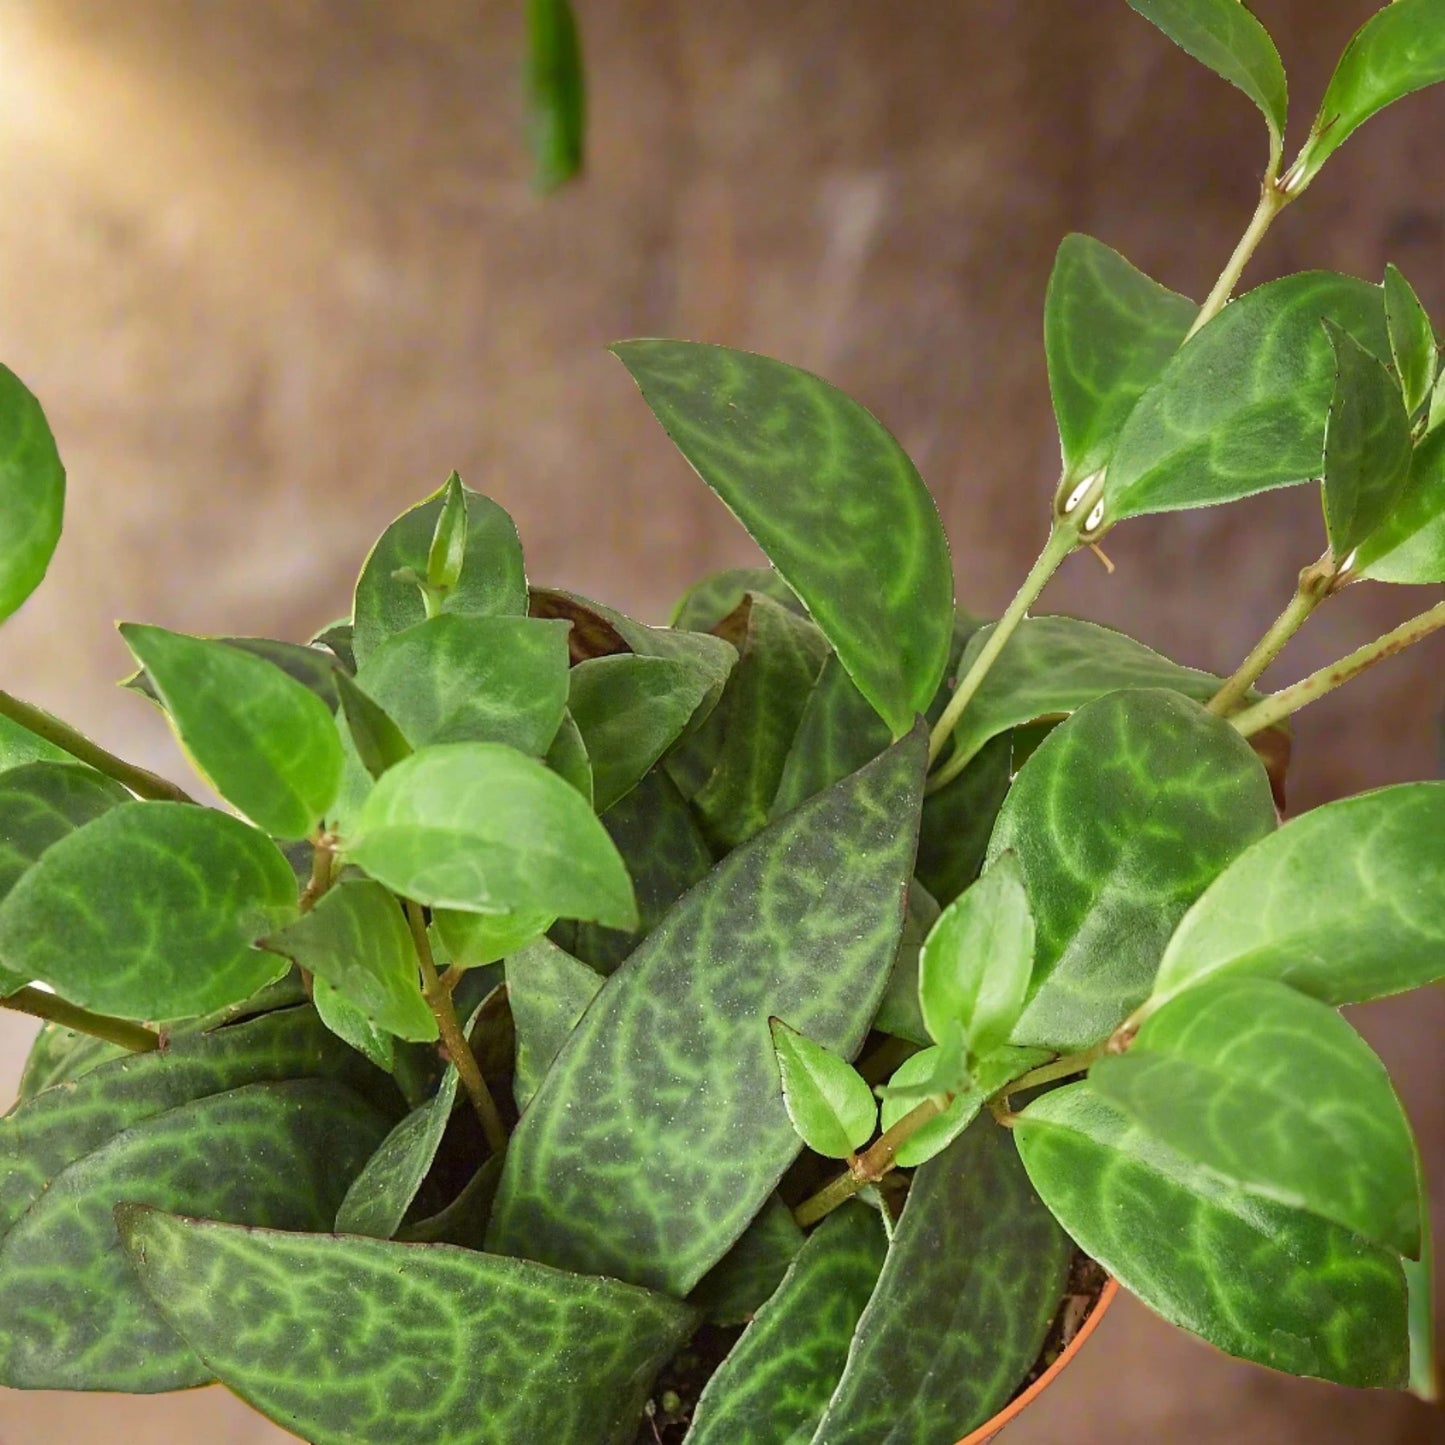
x,y
504,1062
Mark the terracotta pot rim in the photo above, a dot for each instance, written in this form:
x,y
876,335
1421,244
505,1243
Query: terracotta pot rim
x,y
1021,1402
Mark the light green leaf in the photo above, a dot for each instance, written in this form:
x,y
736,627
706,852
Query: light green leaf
x,y
1341,903
1241,408
556,93
749,1274
1106,888
829,1102
1409,546
32,493
567,757
449,541
352,1026
1400,49
1282,1288
977,960
150,912
747,943
1109,330
18,745
378,741
1420,1287
829,496
474,940
310,666
491,584
548,991
1223,35
479,827
1412,340
1279,1095
358,940
1367,446
41,803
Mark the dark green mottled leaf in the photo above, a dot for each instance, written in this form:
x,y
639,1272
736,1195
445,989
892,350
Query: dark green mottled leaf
x,y
32,493
352,1026
1109,330
266,742
705,604
40,803
464,1221
1120,820
567,757
314,669
1282,1288
337,639
150,912
556,93
480,827
829,496
530,1353
974,1276
829,1102
1242,407
1341,903
899,1012
748,943
1367,446
357,938
492,582
958,818
376,740
59,1055
775,1383
75,1316
748,1275
1412,340
548,991
1410,545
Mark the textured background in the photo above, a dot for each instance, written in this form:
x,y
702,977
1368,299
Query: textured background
x,y
273,267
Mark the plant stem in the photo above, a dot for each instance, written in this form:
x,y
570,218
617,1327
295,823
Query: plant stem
x,y
142,783
1061,1068
439,1000
1272,200
1280,705
41,1005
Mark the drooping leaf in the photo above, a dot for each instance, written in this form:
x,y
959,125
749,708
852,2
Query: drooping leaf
x,y
1277,1286
1412,340
776,1381
75,1316
1120,820
1241,408
150,911
829,496
266,742
830,1104
480,827
358,940
567,757
958,819
747,943
706,603
1400,49
40,803
352,1026
1409,546
1367,446
531,1353
548,991
314,669
492,582
974,1275
32,493
1109,330
377,741
1277,1093
556,93
1226,37
1340,903
749,1274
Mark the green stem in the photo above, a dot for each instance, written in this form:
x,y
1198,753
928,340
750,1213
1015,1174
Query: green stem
x,y
142,783
1061,1068
1280,705
1272,200
41,1005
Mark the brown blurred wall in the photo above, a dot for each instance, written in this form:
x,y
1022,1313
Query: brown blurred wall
x,y
273,267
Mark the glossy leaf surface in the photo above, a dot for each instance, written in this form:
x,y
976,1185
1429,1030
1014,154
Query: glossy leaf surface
x,y
1412,340
1410,545
831,1106
1106,890
831,498
32,493
548,991
746,944
40,803
1268,1284
519,1337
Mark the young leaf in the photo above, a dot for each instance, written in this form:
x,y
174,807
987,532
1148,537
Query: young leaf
x,y
352,1026
1409,545
75,1316
358,940
776,1381
1282,1288
1279,1095
948,1072
510,1371
1106,891
378,741
492,582
1223,35
548,991
40,803
1339,903
150,912
830,497
1400,49
449,541
1109,330
1367,446
479,827
1412,340
746,944
830,1104
706,603
749,1274
32,493
976,962
971,1284
1241,409
473,940
556,93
